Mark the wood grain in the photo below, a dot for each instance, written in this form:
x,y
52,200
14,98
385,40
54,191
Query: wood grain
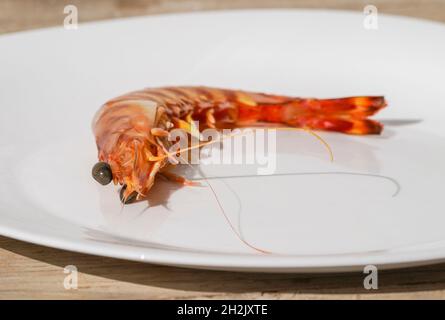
x,y
32,271
18,15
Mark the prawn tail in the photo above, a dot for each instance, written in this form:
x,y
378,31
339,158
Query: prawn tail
x,y
346,115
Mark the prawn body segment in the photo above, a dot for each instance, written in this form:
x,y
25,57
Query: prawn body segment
x,y
132,130
224,108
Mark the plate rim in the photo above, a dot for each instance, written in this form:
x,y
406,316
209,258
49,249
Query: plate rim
x,y
245,263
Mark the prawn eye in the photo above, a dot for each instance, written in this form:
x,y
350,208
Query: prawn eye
x,y
102,173
130,199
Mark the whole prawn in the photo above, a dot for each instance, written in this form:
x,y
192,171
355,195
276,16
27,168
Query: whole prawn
x,y
131,130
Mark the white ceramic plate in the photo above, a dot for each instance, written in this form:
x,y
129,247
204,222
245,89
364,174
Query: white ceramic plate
x,y
380,202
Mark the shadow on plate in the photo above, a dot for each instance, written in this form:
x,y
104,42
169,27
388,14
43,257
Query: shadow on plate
x,y
400,122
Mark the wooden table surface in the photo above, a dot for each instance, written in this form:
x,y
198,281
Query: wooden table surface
x,y
32,271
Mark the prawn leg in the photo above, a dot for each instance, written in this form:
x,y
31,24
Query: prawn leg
x,y
170,176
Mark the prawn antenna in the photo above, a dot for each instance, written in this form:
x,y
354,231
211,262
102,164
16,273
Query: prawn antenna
x,y
226,217
314,134
199,145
